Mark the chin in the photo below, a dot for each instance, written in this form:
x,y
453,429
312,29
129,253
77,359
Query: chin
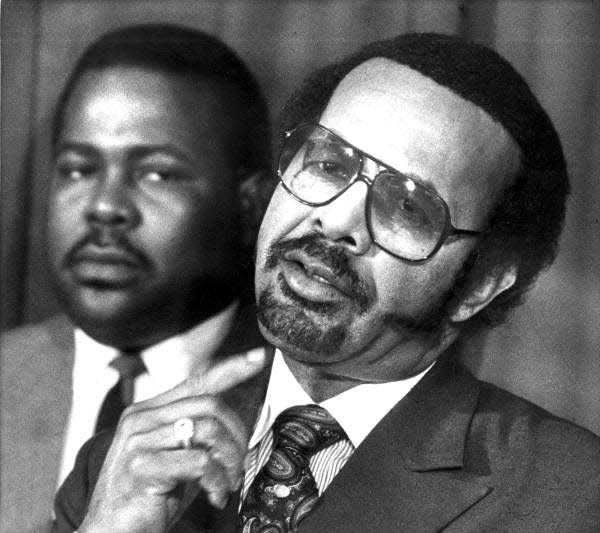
x,y
295,331
118,326
91,305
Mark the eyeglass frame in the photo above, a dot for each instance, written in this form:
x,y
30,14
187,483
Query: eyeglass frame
x,y
449,229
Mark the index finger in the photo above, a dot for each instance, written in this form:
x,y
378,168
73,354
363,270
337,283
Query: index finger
x,y
222,376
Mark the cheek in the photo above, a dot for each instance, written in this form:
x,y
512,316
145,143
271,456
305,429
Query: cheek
x,y
282,219
65,221
179,232
173,232
395,285
411,288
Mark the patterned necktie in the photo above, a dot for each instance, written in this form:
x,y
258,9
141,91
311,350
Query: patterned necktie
x,y
129,365
284,491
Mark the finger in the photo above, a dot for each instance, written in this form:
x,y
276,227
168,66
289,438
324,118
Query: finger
x,y
210,435
194,407
213,482
221,377
231,372
160,472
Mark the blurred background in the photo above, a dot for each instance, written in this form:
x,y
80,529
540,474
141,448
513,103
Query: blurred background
x,y
550,350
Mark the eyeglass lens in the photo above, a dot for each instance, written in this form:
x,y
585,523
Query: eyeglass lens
x,y
404,218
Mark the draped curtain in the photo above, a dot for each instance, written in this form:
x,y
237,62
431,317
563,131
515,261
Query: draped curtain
x,y
549,352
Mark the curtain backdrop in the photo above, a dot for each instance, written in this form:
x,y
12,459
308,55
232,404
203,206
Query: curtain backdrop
x,y
549,351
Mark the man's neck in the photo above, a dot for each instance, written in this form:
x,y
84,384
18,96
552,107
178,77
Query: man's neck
x,y
322,383
319,385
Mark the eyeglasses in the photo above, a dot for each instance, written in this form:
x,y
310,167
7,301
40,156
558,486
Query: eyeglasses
x,y
404,218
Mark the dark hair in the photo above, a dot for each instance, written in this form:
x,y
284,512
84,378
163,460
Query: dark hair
x,y
191,53
524,227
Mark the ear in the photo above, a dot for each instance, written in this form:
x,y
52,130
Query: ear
x,y
254,192
484,292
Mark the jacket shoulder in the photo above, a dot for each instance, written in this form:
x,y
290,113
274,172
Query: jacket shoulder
x,y
56,331
522,429
38,354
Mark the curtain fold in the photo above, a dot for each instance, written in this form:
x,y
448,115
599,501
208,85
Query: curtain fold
x,y
549,351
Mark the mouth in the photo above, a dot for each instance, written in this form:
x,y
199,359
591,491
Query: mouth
x,y
105,267
312,279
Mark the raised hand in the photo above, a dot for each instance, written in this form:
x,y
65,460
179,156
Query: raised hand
x,y
148,468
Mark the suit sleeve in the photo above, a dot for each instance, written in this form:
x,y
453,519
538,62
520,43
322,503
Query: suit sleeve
x,y
72,499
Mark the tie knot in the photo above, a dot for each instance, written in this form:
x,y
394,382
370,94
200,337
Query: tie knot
x,y
128,364
306,428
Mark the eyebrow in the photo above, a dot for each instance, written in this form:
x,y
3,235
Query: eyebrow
x,y
137,151
419,180
85,148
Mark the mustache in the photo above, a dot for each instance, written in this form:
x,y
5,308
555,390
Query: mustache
x,y
331,255
102,239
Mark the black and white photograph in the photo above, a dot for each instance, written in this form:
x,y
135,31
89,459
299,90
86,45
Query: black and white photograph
x,y
300,266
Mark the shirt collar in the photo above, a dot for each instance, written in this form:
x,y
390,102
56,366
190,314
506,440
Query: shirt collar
x,y
172,360
348,408
97,355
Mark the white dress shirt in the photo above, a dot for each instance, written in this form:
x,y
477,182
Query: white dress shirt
x,y
167,364
357,410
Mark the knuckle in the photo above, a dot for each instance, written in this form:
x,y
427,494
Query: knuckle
x,y
132,443
137,464
195,383
205,460
201,463
210,402
207,426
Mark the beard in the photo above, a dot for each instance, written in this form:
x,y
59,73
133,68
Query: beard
x,y
305,325
293,324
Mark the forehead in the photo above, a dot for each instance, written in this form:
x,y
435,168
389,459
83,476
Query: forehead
x,y
132,104
419,127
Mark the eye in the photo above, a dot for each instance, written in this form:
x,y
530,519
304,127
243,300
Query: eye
x,y
156,175
326,166
74,171
411,209
331,167
328,161
159,175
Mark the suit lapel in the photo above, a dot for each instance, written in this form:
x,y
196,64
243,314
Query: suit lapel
x,y
408,475
36,394
62,350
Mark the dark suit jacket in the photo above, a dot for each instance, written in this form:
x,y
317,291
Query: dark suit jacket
x,y
35,401
455,454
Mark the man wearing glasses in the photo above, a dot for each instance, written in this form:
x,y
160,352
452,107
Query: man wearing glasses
x,y
422,188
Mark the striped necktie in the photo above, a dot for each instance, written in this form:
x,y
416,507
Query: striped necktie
x,y
284,491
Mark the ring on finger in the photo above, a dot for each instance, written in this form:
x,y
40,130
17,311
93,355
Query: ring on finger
x,y
183,430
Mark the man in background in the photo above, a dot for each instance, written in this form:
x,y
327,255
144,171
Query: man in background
x,y
422,189
161,150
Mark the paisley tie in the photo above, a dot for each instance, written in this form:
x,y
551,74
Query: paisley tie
x,y
284,491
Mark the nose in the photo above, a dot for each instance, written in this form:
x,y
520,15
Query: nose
x,y
111,204
343,220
